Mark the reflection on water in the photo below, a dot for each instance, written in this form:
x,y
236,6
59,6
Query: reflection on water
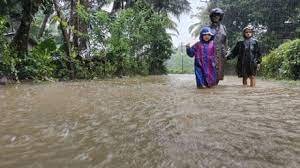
x,y
157,121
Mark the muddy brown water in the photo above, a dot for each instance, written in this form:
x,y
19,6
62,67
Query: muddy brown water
x,y
149,122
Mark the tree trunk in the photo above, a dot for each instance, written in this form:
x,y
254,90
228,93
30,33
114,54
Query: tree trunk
x,y
43,27
81,32
116,6
20,40
83,28
72,21
67,45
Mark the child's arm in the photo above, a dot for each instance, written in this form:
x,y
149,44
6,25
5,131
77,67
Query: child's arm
x,y
258,55
234,52
190,51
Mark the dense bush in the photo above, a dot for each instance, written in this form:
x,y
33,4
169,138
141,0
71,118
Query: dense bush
x,y
283,62
139,43
38,63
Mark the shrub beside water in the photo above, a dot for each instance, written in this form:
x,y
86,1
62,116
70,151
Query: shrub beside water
x,y
283,62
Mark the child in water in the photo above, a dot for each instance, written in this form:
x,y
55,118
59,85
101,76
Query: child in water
x,y
204,53
249,56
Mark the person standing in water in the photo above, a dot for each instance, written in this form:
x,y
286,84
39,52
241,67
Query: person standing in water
x,y
249,56
204,53
220,39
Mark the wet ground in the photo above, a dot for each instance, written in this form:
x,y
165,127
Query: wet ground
x,y
150,122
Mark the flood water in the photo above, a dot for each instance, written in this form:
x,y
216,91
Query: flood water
x,y
149,122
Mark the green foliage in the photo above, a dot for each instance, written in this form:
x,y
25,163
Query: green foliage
x,y
139,42
270,41
3,28
8,62
283,62
133,42
100,22
129,42
175,7
38,64
180,62
82,12
160,44
8,59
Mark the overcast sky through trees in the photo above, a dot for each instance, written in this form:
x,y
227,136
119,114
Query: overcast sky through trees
x,y
184,23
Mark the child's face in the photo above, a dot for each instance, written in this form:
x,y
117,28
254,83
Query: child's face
x,y
248,33
206,37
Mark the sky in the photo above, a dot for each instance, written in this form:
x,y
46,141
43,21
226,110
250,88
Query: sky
x,y
184,23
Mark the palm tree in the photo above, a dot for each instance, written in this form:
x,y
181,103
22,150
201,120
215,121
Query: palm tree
x,y
203,19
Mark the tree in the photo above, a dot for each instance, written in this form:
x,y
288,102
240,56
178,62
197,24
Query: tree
x,y
175,7
275,20
131,40
20,40
48,11
67,45
81,24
